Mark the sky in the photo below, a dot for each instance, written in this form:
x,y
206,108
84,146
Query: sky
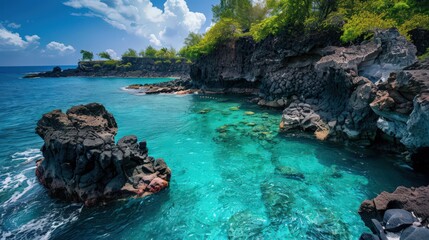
x,y
52,32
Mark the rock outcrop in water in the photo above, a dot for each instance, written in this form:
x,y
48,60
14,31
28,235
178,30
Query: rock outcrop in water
x,y
323,87
82,163
127,67
415,200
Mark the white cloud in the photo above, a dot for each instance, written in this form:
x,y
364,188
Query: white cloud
x,y
167,27
10,41
112,54
61,48
14,25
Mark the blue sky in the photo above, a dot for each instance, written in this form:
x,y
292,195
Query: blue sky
x,y
52,32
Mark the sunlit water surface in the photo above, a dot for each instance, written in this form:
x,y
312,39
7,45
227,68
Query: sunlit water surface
x,y
233,177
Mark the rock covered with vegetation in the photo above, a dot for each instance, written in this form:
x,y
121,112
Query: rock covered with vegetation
x,y
82,163
127,67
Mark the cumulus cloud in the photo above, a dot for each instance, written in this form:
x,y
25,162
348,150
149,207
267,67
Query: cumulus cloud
x,y
167,27
61,48
10,41
112,54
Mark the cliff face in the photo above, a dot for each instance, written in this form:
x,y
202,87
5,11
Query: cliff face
x,y
322,87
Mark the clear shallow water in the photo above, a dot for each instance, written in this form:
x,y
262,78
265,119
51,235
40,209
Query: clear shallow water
x,y
233,175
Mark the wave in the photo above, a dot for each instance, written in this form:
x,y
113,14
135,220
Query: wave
x,y
133,91
27,156
43,227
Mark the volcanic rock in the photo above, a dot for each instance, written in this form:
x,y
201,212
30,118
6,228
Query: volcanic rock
x,y
82,163
415,200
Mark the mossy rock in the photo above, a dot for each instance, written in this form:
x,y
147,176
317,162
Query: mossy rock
x,y
234,108
249,113
251,124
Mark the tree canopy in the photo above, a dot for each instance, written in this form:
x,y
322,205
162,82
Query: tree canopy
x,y
130,53
86,55
355,18
105,55
150,51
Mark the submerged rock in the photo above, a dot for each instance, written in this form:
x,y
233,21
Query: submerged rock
x,y
82,163
245,225
278,201
289,172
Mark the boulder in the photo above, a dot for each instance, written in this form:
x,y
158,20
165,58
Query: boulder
x,y
415,200
82,163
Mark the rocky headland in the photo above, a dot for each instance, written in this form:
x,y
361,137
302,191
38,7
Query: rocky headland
x,y
82,163
372,94
127,67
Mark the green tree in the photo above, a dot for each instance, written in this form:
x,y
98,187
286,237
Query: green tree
x,y
242,11
105,55
150,51
171,53
142,53
86,55
162,53
130,53
193,39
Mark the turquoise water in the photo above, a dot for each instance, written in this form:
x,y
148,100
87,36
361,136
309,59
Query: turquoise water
x,y
233,177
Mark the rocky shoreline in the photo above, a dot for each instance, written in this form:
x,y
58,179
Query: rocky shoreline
x,y
82,163
374,94
128,67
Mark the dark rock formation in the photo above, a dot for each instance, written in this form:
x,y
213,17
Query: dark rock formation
x,y
420,37
402,103
415,200
322,87
178,86
127,67
82,163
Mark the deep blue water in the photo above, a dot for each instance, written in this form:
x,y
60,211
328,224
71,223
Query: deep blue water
x,y
224,183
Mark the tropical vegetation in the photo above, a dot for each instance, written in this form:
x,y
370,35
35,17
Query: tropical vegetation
x,y
357,19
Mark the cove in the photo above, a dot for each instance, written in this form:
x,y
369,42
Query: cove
x,y
233,175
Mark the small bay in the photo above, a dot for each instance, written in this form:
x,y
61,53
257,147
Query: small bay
x,y
234,176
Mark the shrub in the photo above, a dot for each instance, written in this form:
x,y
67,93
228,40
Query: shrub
x,y
128,65
425,55
96,66
111,64
364,24
417,21
178,61
158,62
167,61
223,30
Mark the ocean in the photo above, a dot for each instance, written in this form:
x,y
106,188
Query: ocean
x,y
234,176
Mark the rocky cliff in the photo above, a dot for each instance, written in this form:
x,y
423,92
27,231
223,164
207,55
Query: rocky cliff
x,y
322,87
127,67
82,163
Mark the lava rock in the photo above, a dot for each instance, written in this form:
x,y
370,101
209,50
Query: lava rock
x,y
415,200
82,163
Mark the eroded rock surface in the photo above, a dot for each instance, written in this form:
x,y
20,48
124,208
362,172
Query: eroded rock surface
x,y
415,200
82,163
